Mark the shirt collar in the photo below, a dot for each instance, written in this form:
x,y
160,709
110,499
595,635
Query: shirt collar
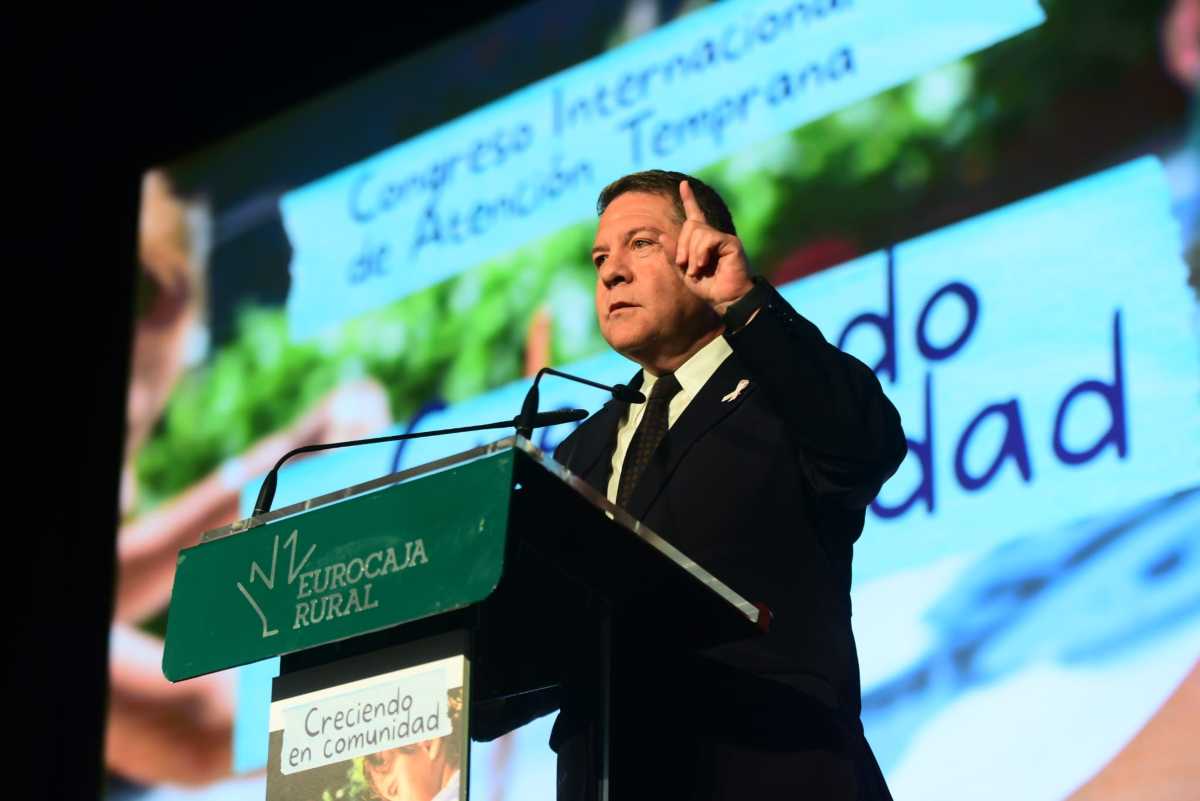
x,y
695,372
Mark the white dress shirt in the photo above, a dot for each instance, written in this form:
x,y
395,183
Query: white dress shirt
x,y
691,375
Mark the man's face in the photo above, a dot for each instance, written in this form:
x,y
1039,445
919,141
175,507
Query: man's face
x,y
646,312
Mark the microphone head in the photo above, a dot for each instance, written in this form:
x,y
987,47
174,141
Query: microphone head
x,y
628,394
543,419
559,417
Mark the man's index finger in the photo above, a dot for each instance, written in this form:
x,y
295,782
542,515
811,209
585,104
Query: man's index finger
x,y
691,208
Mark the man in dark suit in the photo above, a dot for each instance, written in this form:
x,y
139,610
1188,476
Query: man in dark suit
x,y
756,454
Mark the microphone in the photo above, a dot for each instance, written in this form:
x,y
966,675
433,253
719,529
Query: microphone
x,y
266,493
621,392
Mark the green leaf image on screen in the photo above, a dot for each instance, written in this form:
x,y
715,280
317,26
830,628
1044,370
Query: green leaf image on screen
x,y
453,341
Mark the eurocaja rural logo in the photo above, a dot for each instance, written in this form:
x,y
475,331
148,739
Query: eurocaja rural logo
x,y
322,593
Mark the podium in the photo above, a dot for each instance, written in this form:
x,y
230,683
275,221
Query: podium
x,y
498,556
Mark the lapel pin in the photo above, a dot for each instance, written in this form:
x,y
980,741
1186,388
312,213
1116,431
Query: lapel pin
x,y
737,391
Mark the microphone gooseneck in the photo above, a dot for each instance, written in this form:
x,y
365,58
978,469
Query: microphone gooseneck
x,y
266,493
621,392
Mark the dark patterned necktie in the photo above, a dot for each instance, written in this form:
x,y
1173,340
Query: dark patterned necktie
x,y
650,432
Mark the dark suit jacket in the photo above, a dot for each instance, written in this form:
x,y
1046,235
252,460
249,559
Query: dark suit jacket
x,y
768,492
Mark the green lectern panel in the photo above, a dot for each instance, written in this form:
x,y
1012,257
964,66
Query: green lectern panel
x,y
366,562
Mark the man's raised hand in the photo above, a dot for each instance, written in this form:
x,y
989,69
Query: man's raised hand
x,y
714,263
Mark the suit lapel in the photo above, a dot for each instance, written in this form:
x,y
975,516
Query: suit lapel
x,y
705,410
